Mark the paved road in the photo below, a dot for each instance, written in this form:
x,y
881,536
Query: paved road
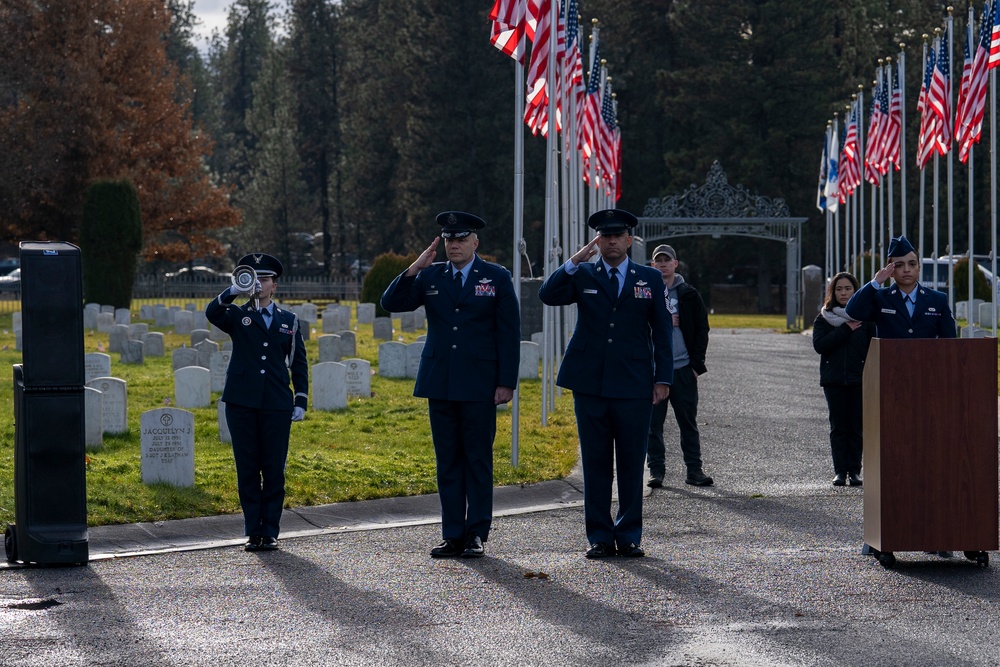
x,y
762,569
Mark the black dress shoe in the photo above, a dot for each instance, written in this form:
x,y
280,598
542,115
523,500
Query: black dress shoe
x,y
853,479
447,549
655,482
840,479
473,547
698,478
268,544
253,543
631,551
600,550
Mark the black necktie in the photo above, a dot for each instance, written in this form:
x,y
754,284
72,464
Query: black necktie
x,y
614,280
458,280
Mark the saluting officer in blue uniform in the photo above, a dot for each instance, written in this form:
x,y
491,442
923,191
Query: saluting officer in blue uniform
x,y
260,406
905,309
468,367
619,363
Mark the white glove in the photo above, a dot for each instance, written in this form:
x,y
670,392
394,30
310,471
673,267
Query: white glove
x,y
298,414
256,287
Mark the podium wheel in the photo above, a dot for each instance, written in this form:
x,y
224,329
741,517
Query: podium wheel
x,y
10,544
980,557
886,559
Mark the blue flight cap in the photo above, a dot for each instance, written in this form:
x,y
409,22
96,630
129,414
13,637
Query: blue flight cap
x,y
264,265
456,224
899,247
612,221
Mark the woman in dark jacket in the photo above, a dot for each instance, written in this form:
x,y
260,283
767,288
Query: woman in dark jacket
x,y
843,346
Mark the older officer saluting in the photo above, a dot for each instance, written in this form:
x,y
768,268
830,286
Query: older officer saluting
x,y
619,363
906,309
260,407
468,367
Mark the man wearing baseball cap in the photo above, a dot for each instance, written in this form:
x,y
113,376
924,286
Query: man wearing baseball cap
x,y
690,321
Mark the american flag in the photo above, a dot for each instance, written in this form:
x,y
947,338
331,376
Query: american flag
x,y
606,137
850,169
995,38
592,105
925,141
975,101
876,127
536,102
963,84
939,96
510,28
572,75
895,121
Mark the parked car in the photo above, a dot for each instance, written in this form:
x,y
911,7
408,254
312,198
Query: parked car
x,y
940,281
196,274
11,282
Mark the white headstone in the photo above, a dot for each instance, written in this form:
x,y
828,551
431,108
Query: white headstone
x,y
348,343
16,320
105,321
224,434
161,315
420,318
528,368
105,308
116,336
138,330
328,388
309,313
199,335
358,377
167,444
199,320
184,356
413,352
217,366
986,315
90,318
329,348
392,360
132,352
96,365
92,408
406,324
217,333
123,316
382,328
114,414
205,350
152,344
538,337
366,313
192,387
183,322
145,312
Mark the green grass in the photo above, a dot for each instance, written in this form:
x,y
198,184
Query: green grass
x,y
377,447
777,322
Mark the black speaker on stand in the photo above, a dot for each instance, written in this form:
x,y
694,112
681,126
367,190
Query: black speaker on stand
x,y
50,495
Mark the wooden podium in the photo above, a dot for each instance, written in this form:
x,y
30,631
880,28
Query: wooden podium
x,y
930,452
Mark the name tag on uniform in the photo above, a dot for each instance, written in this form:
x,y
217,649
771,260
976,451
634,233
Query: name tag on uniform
x,y
888,311
590,291
431,292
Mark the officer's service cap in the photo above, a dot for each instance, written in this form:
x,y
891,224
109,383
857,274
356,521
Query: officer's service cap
x,y
264,265
456,224
899,247
612,221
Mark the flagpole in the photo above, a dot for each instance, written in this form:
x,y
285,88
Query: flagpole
x,y
888,151
993,184
515,404
901,165
836,207
861,186
969,315
950,21
921,242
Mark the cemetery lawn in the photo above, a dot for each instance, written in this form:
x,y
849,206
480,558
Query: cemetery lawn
x,y
378,447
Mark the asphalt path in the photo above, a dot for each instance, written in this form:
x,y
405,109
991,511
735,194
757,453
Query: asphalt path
x,y
764,568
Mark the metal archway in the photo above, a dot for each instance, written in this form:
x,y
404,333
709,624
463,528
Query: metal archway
x,y
719,209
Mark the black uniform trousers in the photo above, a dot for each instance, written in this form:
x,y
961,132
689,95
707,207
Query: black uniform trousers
x,y
260,448
612,439
846,403
463,433
684,400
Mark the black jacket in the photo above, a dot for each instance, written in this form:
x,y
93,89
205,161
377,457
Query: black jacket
x,y
843,351
693,325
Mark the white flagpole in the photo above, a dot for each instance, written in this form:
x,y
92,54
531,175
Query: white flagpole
x,y
921,243
515,404
861,186
889,165
951,166
993,183
901,74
